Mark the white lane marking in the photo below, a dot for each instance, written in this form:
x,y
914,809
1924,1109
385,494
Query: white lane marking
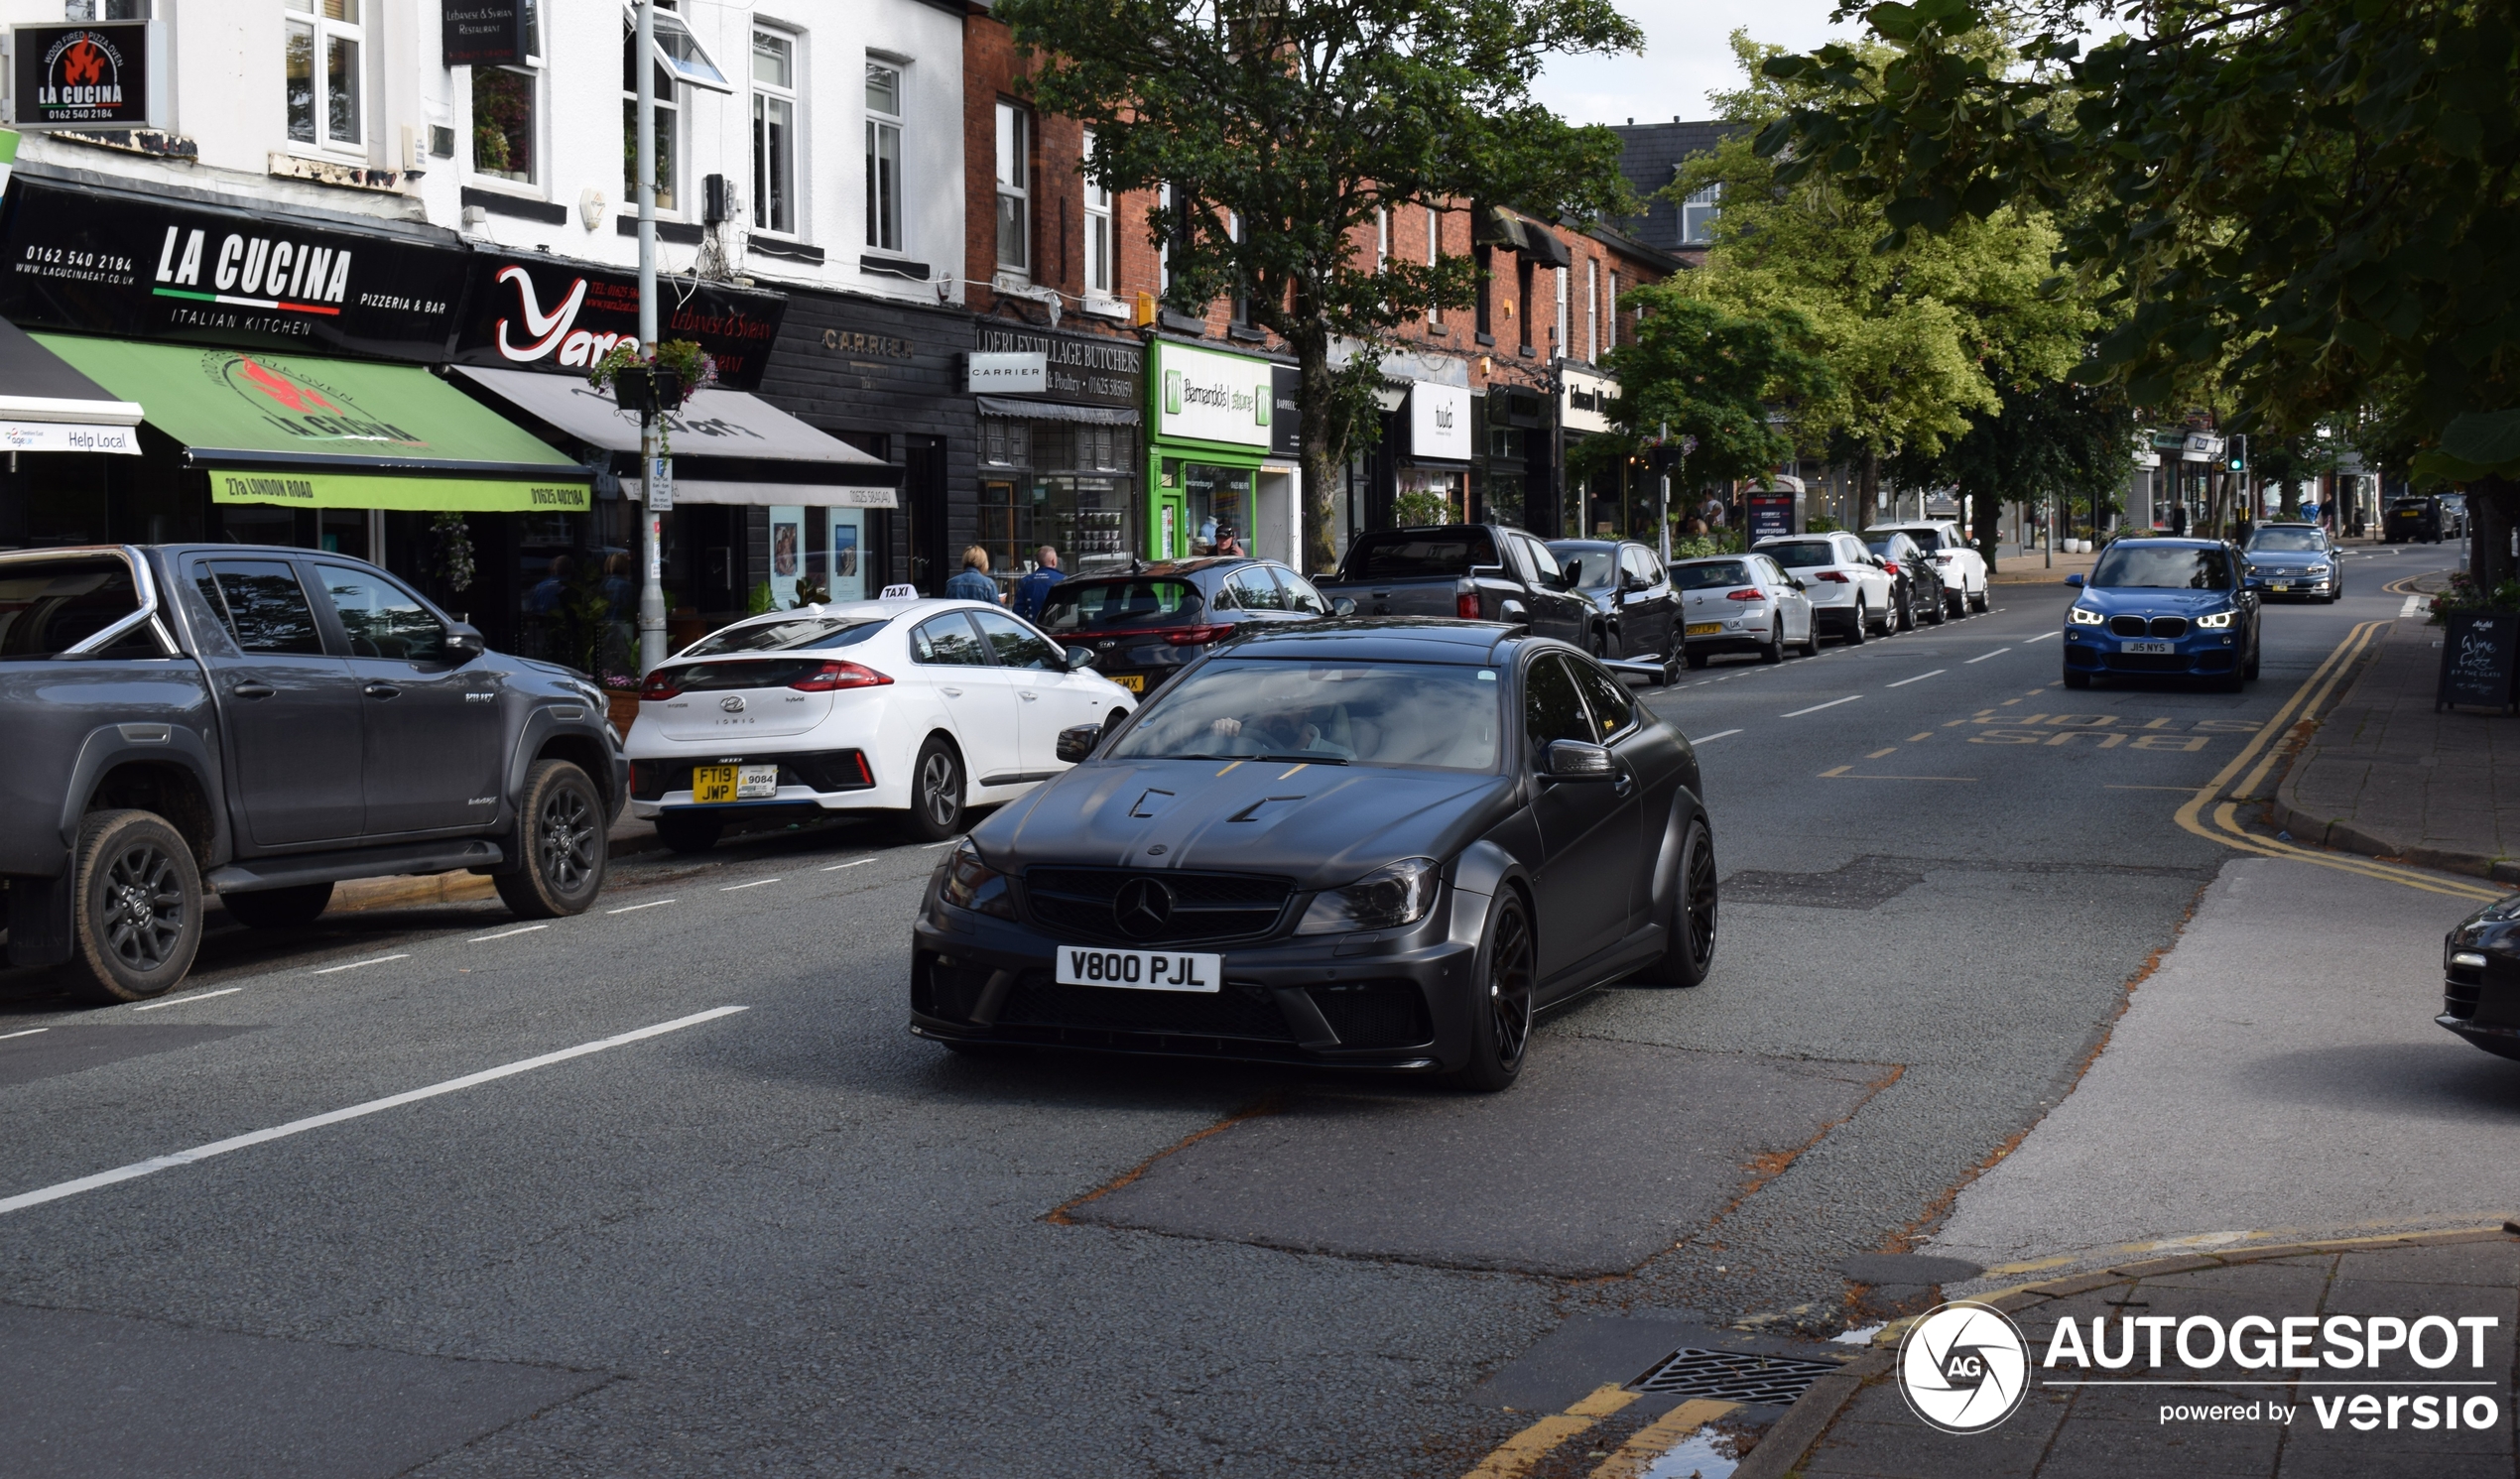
x,y
2042,637
933,847
2413,606
1997,653
1919,677
507,933
1817,708
1718,734
859,863
355,964
632,907
156,1164
196,996
29,1032
756,883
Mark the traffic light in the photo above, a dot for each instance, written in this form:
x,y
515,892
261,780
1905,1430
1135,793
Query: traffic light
x,y
2238,458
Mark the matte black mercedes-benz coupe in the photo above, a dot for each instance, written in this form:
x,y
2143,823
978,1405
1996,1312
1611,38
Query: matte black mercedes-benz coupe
x,y
1384,846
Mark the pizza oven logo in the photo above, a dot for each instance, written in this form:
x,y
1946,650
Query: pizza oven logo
x,y
82,76
1964,1367
301,406
553,335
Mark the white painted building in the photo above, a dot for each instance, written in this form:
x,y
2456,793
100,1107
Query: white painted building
x,y
836,124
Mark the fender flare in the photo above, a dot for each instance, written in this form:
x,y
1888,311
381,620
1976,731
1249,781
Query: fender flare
x,y
1482,869
1685,808
110,745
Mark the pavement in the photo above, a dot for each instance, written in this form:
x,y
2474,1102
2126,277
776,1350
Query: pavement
x,y
2386,775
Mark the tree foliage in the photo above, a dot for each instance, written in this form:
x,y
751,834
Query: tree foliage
x,y
1706,378
1284,127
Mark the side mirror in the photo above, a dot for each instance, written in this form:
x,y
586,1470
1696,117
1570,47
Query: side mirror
x,y
463,642
1573,760
1079,657
2074,580
1514,612
1076,744
1796,582
1343,606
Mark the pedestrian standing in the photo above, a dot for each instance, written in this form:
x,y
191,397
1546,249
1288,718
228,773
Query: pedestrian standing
x,y
974,584
1033,591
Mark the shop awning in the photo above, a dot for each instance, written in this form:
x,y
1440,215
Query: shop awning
x,y
48,407
728,446
330,433
1056,411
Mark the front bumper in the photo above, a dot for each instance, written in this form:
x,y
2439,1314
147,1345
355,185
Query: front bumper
x,y
1393,1001
2196,654
2293,583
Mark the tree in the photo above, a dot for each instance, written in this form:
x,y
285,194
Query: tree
x,y
1917,337
1707,379
1284,127
2047,437
2329,188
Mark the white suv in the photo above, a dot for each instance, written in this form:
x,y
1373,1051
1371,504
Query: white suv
x,y
1962,568
1851,596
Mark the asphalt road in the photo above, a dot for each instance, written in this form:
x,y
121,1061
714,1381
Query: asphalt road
x,y
788,1237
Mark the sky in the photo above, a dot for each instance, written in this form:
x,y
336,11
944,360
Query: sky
x,y
1687,54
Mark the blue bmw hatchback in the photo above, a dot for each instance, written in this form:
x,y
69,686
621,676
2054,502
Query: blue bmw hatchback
x,y
2163,608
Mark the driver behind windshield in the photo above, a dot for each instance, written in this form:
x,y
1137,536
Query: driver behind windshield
x,y
1303,729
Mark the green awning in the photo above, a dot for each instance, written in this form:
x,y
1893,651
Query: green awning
x,y
313,432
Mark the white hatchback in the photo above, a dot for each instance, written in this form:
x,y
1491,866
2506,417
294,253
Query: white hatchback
x,y
924,707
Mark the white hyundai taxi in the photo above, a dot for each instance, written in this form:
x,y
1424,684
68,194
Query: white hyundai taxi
x,y
922,707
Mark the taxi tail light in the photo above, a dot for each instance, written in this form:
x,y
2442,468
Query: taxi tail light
x,y
1751,594
1465,605
1834,577
663,684
834,674
1195,636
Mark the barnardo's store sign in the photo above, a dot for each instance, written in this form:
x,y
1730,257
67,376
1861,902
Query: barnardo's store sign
x,y
1204,396
141,267
528,313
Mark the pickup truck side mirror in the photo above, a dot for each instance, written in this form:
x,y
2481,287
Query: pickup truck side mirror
x,y
1514,612
463,642
1343,606
1075,744
1079,657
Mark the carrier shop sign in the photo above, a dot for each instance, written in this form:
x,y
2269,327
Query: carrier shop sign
x,y
88,261
1206,395
540,313
102,75
1965,1367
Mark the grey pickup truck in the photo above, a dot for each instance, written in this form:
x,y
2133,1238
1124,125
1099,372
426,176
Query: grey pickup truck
x,y
264,723
1475,571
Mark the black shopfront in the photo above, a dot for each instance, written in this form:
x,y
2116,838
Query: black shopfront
x,y
1058,464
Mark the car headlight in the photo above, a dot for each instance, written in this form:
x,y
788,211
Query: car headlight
x,y
2215,621
973,885
2318,570
2083,616
2252,569
1391,896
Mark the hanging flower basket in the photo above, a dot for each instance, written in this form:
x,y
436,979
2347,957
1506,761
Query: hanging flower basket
x,y
654,386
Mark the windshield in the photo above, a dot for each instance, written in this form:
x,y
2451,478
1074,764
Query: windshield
x,y
1589,567
1076,606
789,636
48,606
1803,556
1415,714
1713,574
1926,538
2162,567
1419,555
2289,539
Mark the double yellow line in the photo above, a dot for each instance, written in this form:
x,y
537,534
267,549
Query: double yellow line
x,y
1524,1451
2258,757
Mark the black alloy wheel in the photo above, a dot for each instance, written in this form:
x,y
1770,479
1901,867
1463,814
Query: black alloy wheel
x,y
1597,644
1689,949
278,909
1500,1027
137,919
560,830
1939,609
1907,609
936,790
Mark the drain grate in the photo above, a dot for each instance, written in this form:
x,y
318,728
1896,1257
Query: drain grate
x,y
1736,1376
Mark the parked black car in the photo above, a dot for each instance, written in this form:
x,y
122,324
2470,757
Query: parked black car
x,y
2415,518
1378,845
266,722
2480,986
1636,609
1143,628
1917,593
1474,572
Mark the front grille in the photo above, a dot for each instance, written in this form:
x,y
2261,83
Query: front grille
x,y
2169,626
2126,625
1735,1376
1078,902
826,770
1234,1011
1376,1014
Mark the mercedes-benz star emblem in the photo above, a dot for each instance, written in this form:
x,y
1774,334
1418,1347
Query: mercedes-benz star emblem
x,y
733,703
1142,908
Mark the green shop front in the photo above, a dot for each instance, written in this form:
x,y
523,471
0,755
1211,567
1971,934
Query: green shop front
x,y
1210,431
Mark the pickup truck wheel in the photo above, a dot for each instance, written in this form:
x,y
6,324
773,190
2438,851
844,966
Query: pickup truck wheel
x,y
564,840
278,909
1596,644
137,917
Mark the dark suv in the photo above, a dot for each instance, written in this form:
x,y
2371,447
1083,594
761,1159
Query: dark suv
x,y
267,722
1146,626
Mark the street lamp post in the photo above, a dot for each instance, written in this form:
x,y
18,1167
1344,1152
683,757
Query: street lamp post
x,y
653,473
